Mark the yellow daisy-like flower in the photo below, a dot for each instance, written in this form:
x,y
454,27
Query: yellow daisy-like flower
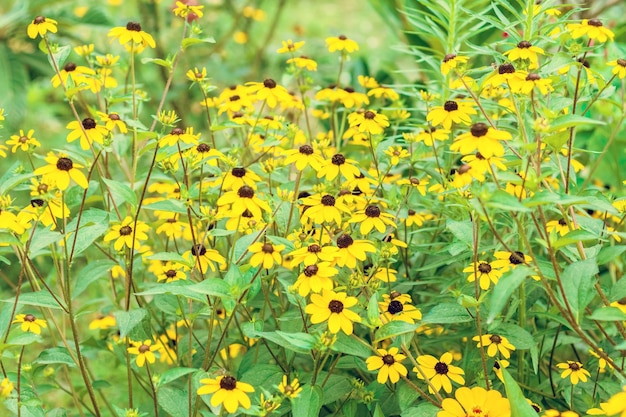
x,y
84,50
122,233
315,278
396,153
475,402
88,131
144,351
592,28
24,142
303,62
544,85
494,343
204,258
30,323
619,68
78,74
238,177
368,121
323,209
341,43
241,200
290,46
178,135
617,404
560,226
526,51
483,139
102,322
269,92
132,35
170,272
291,389
416,218
338,164
184,10
440,372
484,272
574,370
388,363
196,75
40,26
351,250
367,81
398,307
112,121
6,387
384,92
334,308
60,170
311,254
372,217
226,391
429,136
452,61
265,254
451,112
509,260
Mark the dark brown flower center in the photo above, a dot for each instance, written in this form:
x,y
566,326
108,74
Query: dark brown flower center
x,y
89,123
484,268
441,368
39,20
69,67
516,258
342,37
507,68
414,181
238,172
170,273
198,250
23,139
203,147
36,202
65,164
245,192
388,360
177,131
349,90
479,129
311,270
533,77
234,98
464,169
328,200
134,26
267,248
449,57
574,366
30,318
114,116
125,230
395,307
524,45
594,22
269,83
344,241
450,105
369,115
562,222
306,150
621,62
335,306
372,211
412,212
338,159
43,188
480,156
228,383
143,348
495,339
314,248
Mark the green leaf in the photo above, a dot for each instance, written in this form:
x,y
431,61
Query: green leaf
x,y
406,395
393,329
91,273
86,236
578,279
521,339
174,401
39,298
187,42
212,286
373,315
297,342
609,253
309,402
168,256
444,313
55,355
504,289
504,201
618,291
171,205
573,237
346,344
423,410
608,314
127,321
120,192
182,288
161,62
519,405
43,238
462,231
173,374
571,120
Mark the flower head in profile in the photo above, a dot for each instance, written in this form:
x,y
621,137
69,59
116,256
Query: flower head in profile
x,y
112,121
475,402
179,135
619,68
439,371
525,51
452,61
323,209
79,75
290,389
290,46
532,81
339,164
372,217
269,91
144,351
574,370
388,363
132,35
60,170
30,323
23,142
333,307
616,406
303,62
40,26
593,28
495,343
102,322
6,387
226,391
122,233
237,202
188,11
341,43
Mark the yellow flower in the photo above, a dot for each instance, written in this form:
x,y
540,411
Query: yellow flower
x,y
384,92
452,61
311,254
269,92
372,217
290,46
112,121
40,26
368,121
398,307
122,233
103,322
196,75
88,131
341,43
240,37
252,13
506,74
388,363
184,10
108,60
509,260
475,402
132,35
484,272
574,370
290,390
179,135
241,200
560,226
557,413
619,68
80,76
265,254
451,111
6,387
170,272
617,404
23,142
428,136
494,344
227,391
84,50
525,50
367,82
483,139
30,323
439,371
60,170
323,208
315,278
338,164
303,62
204,258
417,219
144,351
534,80
592,28
350,250
334,308
238,177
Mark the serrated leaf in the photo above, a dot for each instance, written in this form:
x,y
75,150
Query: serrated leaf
x,y
55,355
